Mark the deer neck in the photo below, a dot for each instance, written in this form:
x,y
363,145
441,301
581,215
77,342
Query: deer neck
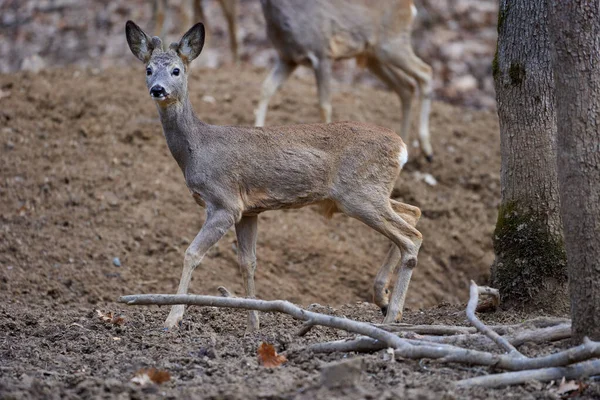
x,y
179,126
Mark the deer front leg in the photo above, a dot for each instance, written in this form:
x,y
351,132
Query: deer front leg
x,y
246,231
216,225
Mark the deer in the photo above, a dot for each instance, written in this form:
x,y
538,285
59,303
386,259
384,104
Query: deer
x,y
316,33
229,8
237,172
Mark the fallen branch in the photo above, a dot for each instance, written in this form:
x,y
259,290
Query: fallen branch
x,y
281,306
363,345
404,348
472,305
575,371
540,322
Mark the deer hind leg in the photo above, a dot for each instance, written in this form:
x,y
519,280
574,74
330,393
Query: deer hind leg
x,y
322,70
159,8
229,8
411,215
216,225
199,16
380,216
280,72
402,84
246,231
403,57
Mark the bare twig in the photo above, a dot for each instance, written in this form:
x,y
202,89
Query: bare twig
x,y
305,328
281,306
428,329
575,371
361,344
540,322
472,305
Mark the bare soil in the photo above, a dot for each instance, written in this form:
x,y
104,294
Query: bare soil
x,y
86,177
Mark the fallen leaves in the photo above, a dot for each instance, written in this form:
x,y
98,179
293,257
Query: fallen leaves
x,y
268,357
111,318
567,389
146,376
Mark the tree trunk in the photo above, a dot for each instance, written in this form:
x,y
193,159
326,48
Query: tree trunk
x,y
575,30
530,264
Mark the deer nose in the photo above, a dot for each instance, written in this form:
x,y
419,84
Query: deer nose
x,y
157,91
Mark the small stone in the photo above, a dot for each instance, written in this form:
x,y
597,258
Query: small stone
x,y
342,374
116,262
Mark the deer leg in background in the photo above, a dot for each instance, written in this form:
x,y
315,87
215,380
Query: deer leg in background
x,y
246,231
280,72
216,225
199,16
230,10
403,57
402,84
322,69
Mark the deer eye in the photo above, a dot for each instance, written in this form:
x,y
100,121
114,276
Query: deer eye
x,y
148,71
176,72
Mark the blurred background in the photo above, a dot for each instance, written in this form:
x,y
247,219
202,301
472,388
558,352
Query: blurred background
x,y
456,37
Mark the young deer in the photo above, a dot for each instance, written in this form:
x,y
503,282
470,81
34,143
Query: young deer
x,y
377,33
238,172
229,8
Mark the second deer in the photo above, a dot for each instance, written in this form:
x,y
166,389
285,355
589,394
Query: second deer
x,y
236,173
378,33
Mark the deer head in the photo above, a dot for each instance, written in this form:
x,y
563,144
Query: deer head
x,y
166,70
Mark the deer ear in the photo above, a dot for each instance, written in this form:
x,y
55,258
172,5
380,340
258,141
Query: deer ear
x,y
190,45
140,44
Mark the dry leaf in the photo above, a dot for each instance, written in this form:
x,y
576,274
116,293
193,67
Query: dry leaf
x,y
268,357
111,318
566,387
150,375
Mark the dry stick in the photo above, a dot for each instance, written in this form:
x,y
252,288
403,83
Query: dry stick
x,y
363,344
540,322
472,305
406,348
575,371
281,306
305,328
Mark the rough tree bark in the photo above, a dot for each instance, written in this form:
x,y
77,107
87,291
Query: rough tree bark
x,y
575,32
530,265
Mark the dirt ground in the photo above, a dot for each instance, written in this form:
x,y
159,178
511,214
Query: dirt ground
x,y
86,177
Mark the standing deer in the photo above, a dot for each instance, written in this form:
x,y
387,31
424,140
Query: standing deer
x,y
237,173
377,33
229,8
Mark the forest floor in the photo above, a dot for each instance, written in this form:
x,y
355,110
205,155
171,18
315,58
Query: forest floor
x,y
86,177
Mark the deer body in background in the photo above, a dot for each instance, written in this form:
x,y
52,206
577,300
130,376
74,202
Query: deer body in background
x,y
378,33
238,172
229,8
